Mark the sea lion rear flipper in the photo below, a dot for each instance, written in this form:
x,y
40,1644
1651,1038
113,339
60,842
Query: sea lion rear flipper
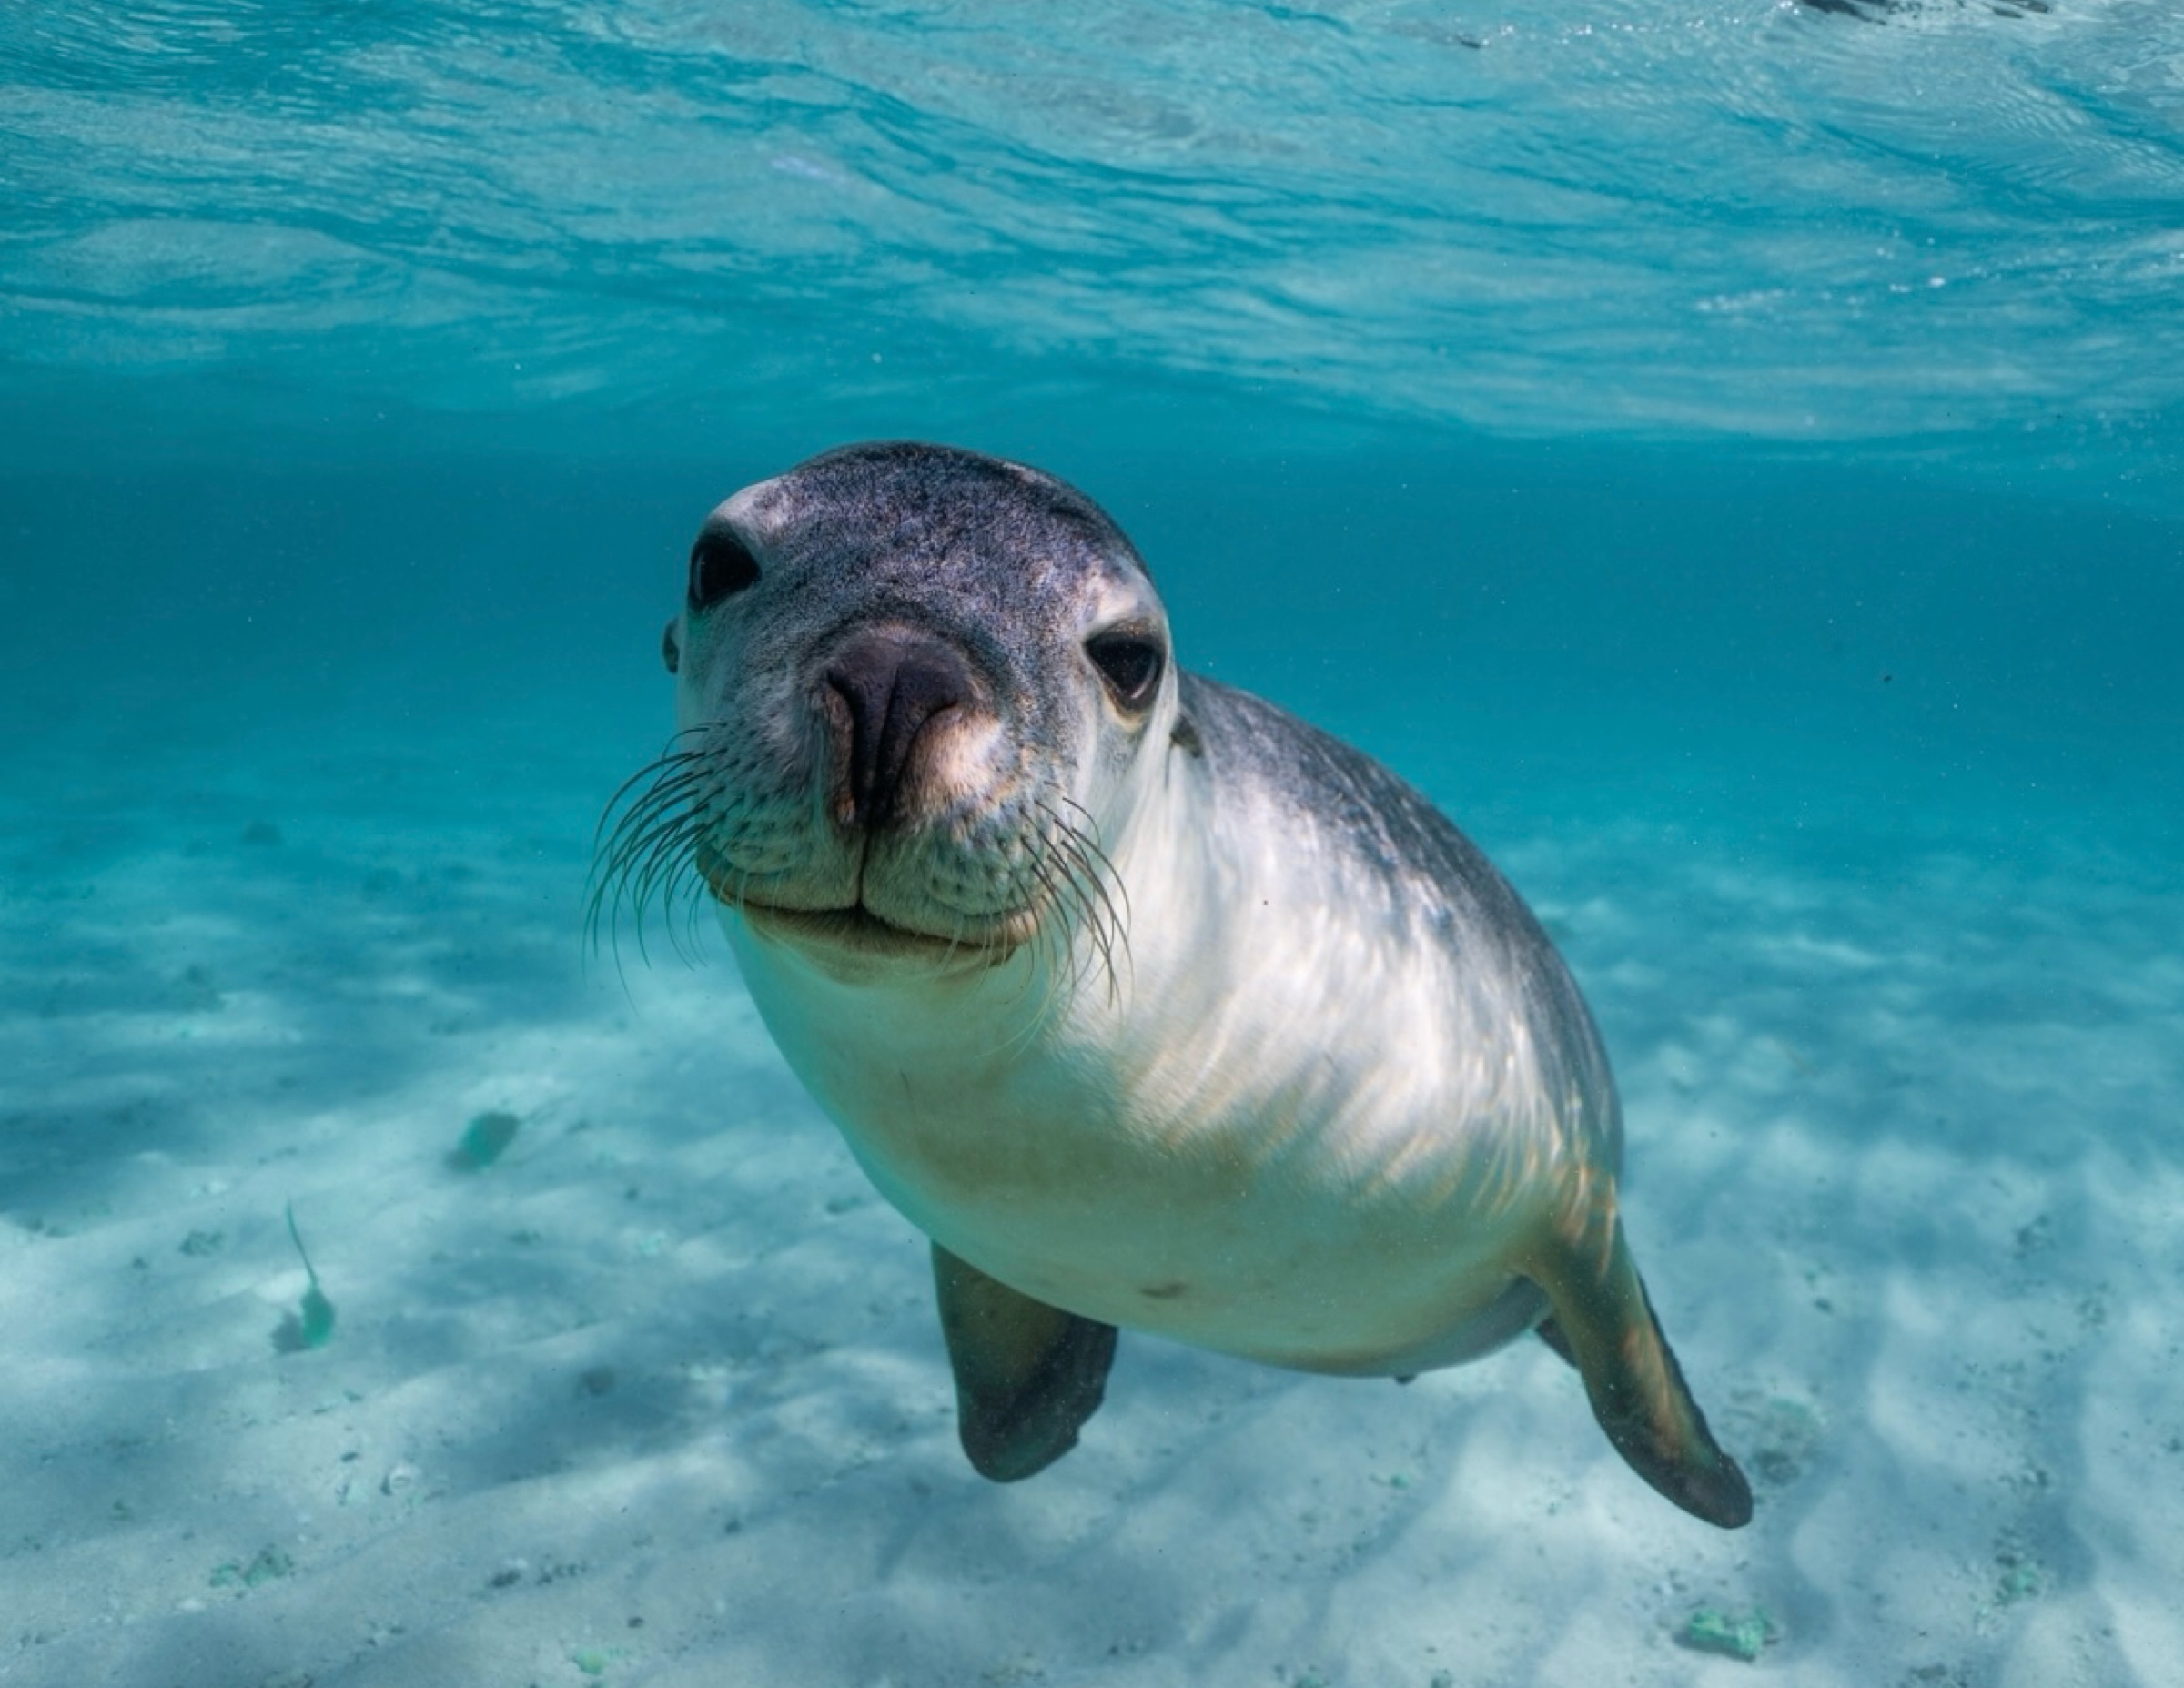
x,y
1607,1330
1027,1375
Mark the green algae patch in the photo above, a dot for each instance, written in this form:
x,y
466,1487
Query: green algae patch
x,y
483,1141
270,1564
2020,1574
1731,1635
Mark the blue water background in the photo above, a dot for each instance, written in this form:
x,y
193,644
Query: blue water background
x,y
1737,431
1714,362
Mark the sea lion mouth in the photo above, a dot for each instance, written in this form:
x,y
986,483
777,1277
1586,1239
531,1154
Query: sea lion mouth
x,y
1052,888
861,931
856,927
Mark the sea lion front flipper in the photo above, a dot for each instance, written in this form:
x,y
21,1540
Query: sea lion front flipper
x,y
1027,1375
1608,1330
1551,1333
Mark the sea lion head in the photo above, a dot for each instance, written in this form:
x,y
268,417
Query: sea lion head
x,y
913,684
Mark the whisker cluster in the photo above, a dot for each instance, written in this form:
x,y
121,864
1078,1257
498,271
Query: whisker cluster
x,y
646,855
1083,894
647,852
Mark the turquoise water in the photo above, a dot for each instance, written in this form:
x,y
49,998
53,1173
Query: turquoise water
x,y
1731,456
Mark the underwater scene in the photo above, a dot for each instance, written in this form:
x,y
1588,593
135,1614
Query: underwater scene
x,y
479,1073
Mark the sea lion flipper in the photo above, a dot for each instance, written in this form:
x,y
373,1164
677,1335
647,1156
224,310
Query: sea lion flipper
x,y
1027,1375
1608,1330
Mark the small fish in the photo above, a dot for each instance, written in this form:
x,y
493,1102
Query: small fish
x,y
482,1144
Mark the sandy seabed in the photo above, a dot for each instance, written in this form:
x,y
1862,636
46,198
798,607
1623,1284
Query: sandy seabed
x,y
657,1396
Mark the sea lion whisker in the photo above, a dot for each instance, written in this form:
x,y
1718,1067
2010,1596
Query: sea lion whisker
x,y
667,809
667,836
676,794
1085,840
1057,932
670,863
662,779
1097,881
665,796
1080,940
688,889
665,805
1061,898
1045,900
659,848
1095,914
1111,882
646,775
1092,910
615,876
649,862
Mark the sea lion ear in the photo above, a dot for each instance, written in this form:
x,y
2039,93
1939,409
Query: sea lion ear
x,y
1027,1375
1604,1326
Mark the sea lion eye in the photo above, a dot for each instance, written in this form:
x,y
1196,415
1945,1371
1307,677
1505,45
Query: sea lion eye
x,y
719,566
1130,664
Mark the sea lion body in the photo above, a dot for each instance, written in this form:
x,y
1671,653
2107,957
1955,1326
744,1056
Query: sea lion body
x,y
1153,1006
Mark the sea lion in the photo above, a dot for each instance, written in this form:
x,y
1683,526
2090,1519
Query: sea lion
x,y
1149,1003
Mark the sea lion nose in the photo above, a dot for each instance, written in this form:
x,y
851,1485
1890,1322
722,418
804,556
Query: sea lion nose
x,y
885,687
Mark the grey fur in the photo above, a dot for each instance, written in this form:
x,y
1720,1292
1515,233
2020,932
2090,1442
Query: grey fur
x,y
1431,876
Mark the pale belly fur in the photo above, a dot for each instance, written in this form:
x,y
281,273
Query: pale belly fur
x,y
1333,1170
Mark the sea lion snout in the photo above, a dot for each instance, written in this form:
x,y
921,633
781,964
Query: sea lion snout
x,y
883,694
